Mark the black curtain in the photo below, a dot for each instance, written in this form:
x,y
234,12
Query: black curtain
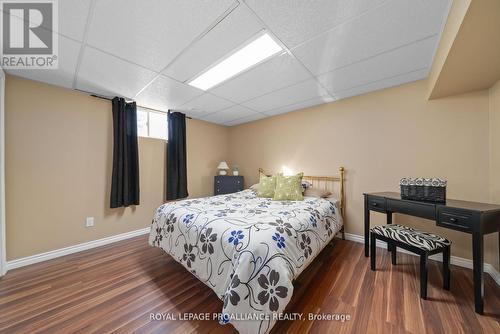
x,y
125,182
176,156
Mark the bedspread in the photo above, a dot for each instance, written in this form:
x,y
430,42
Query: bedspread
x,y
245,248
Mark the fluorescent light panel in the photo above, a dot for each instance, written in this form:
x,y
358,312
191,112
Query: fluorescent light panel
x,y
261,48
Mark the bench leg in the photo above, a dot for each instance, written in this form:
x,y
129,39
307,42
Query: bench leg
x,y
389,221
373,251
423,276
394,249
446,268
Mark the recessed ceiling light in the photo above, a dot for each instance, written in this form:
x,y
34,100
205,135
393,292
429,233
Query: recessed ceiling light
x,y
256,51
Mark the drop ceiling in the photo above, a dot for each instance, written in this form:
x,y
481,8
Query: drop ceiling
x,y
334,49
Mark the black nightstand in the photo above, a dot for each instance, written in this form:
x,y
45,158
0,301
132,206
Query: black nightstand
x,y
227,184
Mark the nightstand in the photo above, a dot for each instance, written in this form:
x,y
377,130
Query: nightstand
x,y
227,184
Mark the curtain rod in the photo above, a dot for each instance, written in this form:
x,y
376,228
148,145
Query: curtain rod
x,y
110,99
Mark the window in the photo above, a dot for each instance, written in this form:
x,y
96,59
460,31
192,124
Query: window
x,y
152,124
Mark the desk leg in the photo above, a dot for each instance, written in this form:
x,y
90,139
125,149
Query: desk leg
x,y
478,264
367,228
389,221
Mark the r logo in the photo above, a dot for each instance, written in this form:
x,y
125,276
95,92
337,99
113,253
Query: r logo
x,y
27,28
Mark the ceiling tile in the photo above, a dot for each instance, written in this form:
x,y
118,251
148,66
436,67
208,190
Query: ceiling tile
x,y
203,105
237,28
382,84
300,105
293,94
280,71
295,21
104,74
230,114
153,32
64,74
73,18
247,119
392,25
165,93
403,60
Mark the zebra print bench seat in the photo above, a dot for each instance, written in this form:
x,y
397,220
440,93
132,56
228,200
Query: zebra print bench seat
x,y
419,242
410,236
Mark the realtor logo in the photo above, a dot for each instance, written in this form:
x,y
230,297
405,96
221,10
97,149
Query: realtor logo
x,y
29,38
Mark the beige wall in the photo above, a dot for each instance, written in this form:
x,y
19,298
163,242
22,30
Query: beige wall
x,y
454,21
495,142
495,145
380,137
471,62
207,145
59,154
58,168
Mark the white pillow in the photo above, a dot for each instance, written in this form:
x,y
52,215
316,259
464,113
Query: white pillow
x,y
314,192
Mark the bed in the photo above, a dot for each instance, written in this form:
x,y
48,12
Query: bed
x,y
247,249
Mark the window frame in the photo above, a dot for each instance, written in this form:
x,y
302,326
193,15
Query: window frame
x,y
148,128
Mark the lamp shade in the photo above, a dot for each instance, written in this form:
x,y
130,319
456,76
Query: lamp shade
x,y
223,165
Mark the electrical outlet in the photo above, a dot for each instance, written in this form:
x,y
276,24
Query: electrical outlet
x,y
89,222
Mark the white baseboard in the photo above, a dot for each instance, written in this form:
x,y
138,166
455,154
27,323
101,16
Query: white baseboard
x,y
13,264
455,260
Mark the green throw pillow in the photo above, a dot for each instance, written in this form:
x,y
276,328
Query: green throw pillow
x,y
288,188
266,186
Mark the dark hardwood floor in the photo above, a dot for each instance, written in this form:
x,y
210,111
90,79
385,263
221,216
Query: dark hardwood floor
x,y
115,288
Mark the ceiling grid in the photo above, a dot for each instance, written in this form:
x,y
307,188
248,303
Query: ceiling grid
x,y
333,49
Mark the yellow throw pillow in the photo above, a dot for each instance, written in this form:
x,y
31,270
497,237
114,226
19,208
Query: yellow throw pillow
x,y
288,188
267,185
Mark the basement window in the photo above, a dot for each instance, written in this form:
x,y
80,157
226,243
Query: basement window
x,y
152,124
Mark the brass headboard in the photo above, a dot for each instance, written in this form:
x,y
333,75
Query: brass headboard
x,y
327,183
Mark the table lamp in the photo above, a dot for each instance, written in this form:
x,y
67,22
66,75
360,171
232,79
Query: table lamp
x,y
222,168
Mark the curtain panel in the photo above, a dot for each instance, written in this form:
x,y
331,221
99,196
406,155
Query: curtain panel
x,y
125,179
176,157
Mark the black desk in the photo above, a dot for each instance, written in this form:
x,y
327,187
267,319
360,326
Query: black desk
x,y
474,218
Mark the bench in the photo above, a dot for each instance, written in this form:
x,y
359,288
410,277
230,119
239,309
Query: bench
x,y
418,242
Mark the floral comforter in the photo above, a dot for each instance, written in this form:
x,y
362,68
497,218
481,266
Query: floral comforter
x,y
247,249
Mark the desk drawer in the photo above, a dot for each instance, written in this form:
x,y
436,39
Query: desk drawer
x,y
376,203
454,219
412,208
